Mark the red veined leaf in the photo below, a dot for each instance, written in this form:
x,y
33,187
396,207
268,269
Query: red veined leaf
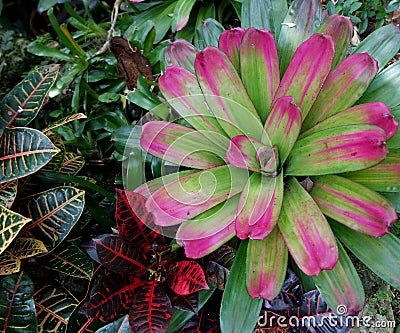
x,y
218,267
186,277
185,302
152,310
134,222
118,255
204,322
312,313
111,296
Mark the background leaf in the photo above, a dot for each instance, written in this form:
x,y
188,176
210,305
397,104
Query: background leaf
x,y
239,311
8,192
10,225
24,101
152,310
54,307
186,277
54,213
17,309
23,151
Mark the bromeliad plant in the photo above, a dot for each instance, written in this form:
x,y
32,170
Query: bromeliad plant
x,y
284,146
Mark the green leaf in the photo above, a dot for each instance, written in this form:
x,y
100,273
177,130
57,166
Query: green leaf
x,y
262,14
23,152
179,317
10,225
337,150
133,169
72,164
44,5
181,14
56,307
306,231
17,309
385,87
382,44
24,101
239,311
208,32
8,192
54,213
41,50
266,264
380,254
302,19
23,248
68,259
341,285
119,325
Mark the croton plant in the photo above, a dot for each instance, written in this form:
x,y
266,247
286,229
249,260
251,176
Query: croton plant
x,y
282,141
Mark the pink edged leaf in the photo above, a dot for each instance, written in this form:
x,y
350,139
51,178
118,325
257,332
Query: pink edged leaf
x,y
307,72
134,222
340,29
180,145
210,222
181,14
153,185
180,53
118,255
341,286
337,150
198,248
152,309
353,204
191,195
342,88
248,153
283,126
266,265
229,42
258,55
383,177
259,206
183,93
186,277
302,19
306,231
225,94
374,113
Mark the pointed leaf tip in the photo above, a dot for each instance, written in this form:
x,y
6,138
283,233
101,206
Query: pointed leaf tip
x,y
180,53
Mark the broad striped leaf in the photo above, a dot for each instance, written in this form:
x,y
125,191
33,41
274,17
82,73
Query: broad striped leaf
x,y
306,231
23,248
54,213
25,100
64,120
22,152
239,311
118,255
9,263
17,308
72,164
8,192
152,310
10,225
111,296
266,264
181,14
54,306
379,254
341,286
68,259
229,42
186,277
180,53
56,162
